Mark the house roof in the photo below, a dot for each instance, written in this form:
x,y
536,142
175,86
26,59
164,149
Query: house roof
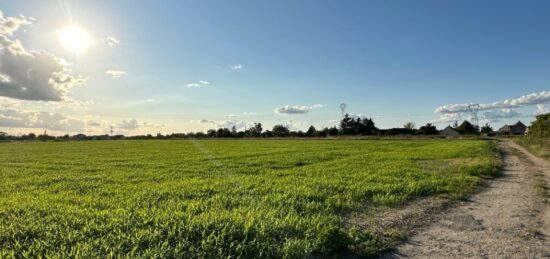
x,y
519,123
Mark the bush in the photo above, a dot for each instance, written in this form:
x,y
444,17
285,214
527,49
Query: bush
x,y
541,126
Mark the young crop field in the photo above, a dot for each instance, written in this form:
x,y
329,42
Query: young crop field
x,y
218,198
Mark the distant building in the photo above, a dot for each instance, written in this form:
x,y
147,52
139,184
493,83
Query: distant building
x,y
515,129
449,131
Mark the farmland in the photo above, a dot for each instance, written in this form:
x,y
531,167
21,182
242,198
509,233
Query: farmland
x,y
218,198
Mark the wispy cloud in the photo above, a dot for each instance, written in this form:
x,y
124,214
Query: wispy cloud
x,y
115,73
4,78
541,109
112,41
198,84
17,118
496,115
238,124
9,25
296,109
237,67
243,114
129,124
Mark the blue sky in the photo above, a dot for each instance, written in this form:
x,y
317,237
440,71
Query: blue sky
x,y
395,61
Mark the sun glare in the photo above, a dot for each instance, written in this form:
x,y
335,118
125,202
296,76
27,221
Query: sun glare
x,y
74,38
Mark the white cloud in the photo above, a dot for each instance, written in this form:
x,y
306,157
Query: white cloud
x,y
198,84
14,118
295,125
541,109
240,125
233,115
8,25
494,111
496,115
129,124
133,124
31,75
9,102
112,41
296,109
115,73
526,100
237,67
450,117
4,78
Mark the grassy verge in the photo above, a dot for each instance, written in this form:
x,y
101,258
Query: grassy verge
x,y
212,199
537,146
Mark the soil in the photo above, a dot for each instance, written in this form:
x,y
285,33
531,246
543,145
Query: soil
x,y
509,218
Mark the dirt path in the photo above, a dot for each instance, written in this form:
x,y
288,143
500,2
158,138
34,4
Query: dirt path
x,y
509,219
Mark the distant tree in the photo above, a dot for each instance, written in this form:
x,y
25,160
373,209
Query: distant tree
x,y
332,131
280,131
427,129
79,136
347,126
31,136
323,133
258,128
486,129
3,135
467,128
267,134
409,125
241,134
311,132
367,127
255,131
211,133
45,137
299,134
541,126
234,131
455,125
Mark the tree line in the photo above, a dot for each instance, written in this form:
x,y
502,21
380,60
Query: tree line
x,y
348,126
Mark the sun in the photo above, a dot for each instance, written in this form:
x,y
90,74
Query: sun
x,y
74,38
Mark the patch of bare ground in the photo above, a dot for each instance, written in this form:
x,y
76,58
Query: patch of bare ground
x,y
509,218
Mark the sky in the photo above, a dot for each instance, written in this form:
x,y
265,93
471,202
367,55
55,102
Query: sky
x,y
75,66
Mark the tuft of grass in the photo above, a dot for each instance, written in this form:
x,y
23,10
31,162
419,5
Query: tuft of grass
x,y
212,199
537,146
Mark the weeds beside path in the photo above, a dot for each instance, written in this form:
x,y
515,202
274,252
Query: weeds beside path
x,y
510,219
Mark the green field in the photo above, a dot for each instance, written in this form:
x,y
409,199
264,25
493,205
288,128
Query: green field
x,y
218,198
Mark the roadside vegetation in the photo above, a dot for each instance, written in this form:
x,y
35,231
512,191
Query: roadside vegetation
x,y
215,198
537,141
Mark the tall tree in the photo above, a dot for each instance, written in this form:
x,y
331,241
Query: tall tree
x,y
541,126
486,129
409,125
311,131
280,131
467,128
427,129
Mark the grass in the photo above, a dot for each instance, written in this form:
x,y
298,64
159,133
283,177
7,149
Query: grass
x,y
218,198
537,146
